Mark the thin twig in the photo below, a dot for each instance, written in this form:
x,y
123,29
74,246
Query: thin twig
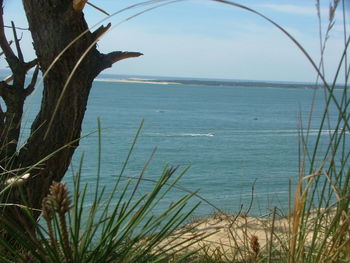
x,y
252,199
18,47
18,28
99,9
272,232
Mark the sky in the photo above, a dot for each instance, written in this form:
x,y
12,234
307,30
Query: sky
x,y
206,39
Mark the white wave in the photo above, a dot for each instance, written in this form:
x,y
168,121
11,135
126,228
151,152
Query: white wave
x,y
210,134
291,132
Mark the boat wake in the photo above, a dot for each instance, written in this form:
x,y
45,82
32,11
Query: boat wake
x,y
311,132
210,134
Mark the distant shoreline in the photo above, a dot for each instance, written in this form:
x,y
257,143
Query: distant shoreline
x,y
200,82
137,80
227,83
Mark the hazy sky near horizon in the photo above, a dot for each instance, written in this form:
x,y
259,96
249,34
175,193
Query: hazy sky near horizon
x,y
206,39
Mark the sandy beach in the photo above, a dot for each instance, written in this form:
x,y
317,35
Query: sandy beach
x,y
242,237
230,235
136,80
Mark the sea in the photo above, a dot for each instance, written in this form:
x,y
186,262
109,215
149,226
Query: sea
x,y
239,140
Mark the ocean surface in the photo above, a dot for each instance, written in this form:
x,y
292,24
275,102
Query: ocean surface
x,y
240,141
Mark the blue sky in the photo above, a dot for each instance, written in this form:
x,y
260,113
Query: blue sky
x,y
202,38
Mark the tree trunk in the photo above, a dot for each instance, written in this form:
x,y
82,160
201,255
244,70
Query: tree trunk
x,y
54,24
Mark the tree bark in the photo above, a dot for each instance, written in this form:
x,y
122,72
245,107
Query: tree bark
x,y
13,94
54,24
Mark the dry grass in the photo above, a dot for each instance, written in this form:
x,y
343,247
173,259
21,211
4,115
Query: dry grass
x,y
228,238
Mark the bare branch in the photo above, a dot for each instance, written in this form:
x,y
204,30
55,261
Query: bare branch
x,y
27,67
31,86
78,5
4,44
30,64
100,31
109,59
3,86
99,9
18,47
10,43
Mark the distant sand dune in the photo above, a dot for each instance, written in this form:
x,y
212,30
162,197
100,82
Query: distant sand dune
x,y
137,80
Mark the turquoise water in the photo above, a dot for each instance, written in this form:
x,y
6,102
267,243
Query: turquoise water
x,y
230,136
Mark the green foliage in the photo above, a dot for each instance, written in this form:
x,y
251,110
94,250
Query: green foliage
x,y
116,226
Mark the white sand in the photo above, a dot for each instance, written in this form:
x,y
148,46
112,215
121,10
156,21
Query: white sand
x,y
136,80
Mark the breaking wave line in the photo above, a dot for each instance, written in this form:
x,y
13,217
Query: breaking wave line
x,y
210,134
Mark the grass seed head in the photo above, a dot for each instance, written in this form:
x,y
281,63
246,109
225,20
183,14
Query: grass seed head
x,y
59,197
254,244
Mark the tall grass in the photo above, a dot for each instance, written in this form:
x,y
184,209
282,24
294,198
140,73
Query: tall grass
x,y
318,226
116,226
319,223
320,219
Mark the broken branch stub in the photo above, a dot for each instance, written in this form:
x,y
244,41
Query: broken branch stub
x,y
78,5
